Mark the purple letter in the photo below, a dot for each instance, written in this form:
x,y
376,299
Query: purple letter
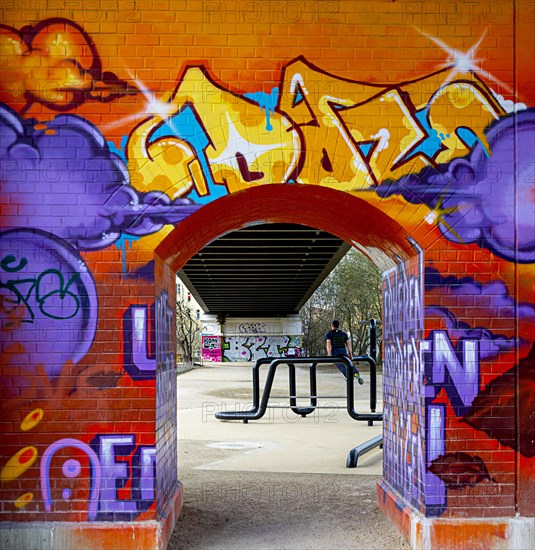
x,y
138,362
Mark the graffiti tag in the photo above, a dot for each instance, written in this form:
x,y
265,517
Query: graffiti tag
x,y
409,131
114,461
211,343
48,292
252,328
402,329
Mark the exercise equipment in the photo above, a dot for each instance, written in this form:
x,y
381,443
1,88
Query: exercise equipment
x,y
260,403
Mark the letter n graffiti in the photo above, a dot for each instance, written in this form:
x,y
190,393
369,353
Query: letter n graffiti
x,y
456,369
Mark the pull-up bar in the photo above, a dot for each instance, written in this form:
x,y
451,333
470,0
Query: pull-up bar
x,y
260,404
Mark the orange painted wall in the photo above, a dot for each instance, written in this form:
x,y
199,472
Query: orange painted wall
x,y
377,102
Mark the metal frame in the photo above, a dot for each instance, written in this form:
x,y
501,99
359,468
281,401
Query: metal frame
x,y
260,404
363,448
377,441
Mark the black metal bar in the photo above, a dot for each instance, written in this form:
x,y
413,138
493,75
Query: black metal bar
x,y
351,390
292,386
373,339
256,383
363,448
313,373
259,408
372,324
256,380
308,396
373,378
353,456
302,411
318,407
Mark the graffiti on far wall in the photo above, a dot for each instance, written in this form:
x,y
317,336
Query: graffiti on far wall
x,y
249,347
252,328
254,347
211,348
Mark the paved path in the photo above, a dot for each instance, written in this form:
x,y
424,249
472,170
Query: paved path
x,y
280,482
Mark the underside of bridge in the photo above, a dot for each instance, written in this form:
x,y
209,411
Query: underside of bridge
x,y
266,269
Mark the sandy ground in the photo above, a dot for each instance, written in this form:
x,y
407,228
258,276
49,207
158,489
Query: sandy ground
x,y
278,483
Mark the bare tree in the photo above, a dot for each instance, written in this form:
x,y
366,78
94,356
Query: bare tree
x,y
351,293
187,332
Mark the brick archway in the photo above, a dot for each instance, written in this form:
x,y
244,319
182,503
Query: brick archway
x,y
350,218
132,138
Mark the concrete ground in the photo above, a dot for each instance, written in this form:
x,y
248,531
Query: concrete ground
x,y
279,482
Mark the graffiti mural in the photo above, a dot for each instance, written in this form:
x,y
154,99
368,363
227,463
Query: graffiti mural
x,y
253,347
166,405
462,216
88,179
55,63
103,157
49,300
71,469
403,139
404,436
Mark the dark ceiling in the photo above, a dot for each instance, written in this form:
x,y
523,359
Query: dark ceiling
x,y
262,270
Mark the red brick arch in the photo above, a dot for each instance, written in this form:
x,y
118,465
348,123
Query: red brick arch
x,y
346,216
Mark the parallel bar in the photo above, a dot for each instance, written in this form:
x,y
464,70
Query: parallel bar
x,y
359,450
308,396
303,411
260,404
334,407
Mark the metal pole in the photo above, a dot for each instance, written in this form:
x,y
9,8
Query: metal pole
x,y
373,339
354,454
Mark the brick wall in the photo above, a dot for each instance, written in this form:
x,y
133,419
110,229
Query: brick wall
x,y
133,133
406,440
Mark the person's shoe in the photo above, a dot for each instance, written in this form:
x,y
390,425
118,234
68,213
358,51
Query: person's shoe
x,y
359,378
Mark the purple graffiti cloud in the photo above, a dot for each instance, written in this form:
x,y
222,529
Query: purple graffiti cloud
x,y
497,301
490,344
64,179
498,304
475,198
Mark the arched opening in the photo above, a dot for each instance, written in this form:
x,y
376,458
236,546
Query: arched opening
x,y
381,238
375,233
